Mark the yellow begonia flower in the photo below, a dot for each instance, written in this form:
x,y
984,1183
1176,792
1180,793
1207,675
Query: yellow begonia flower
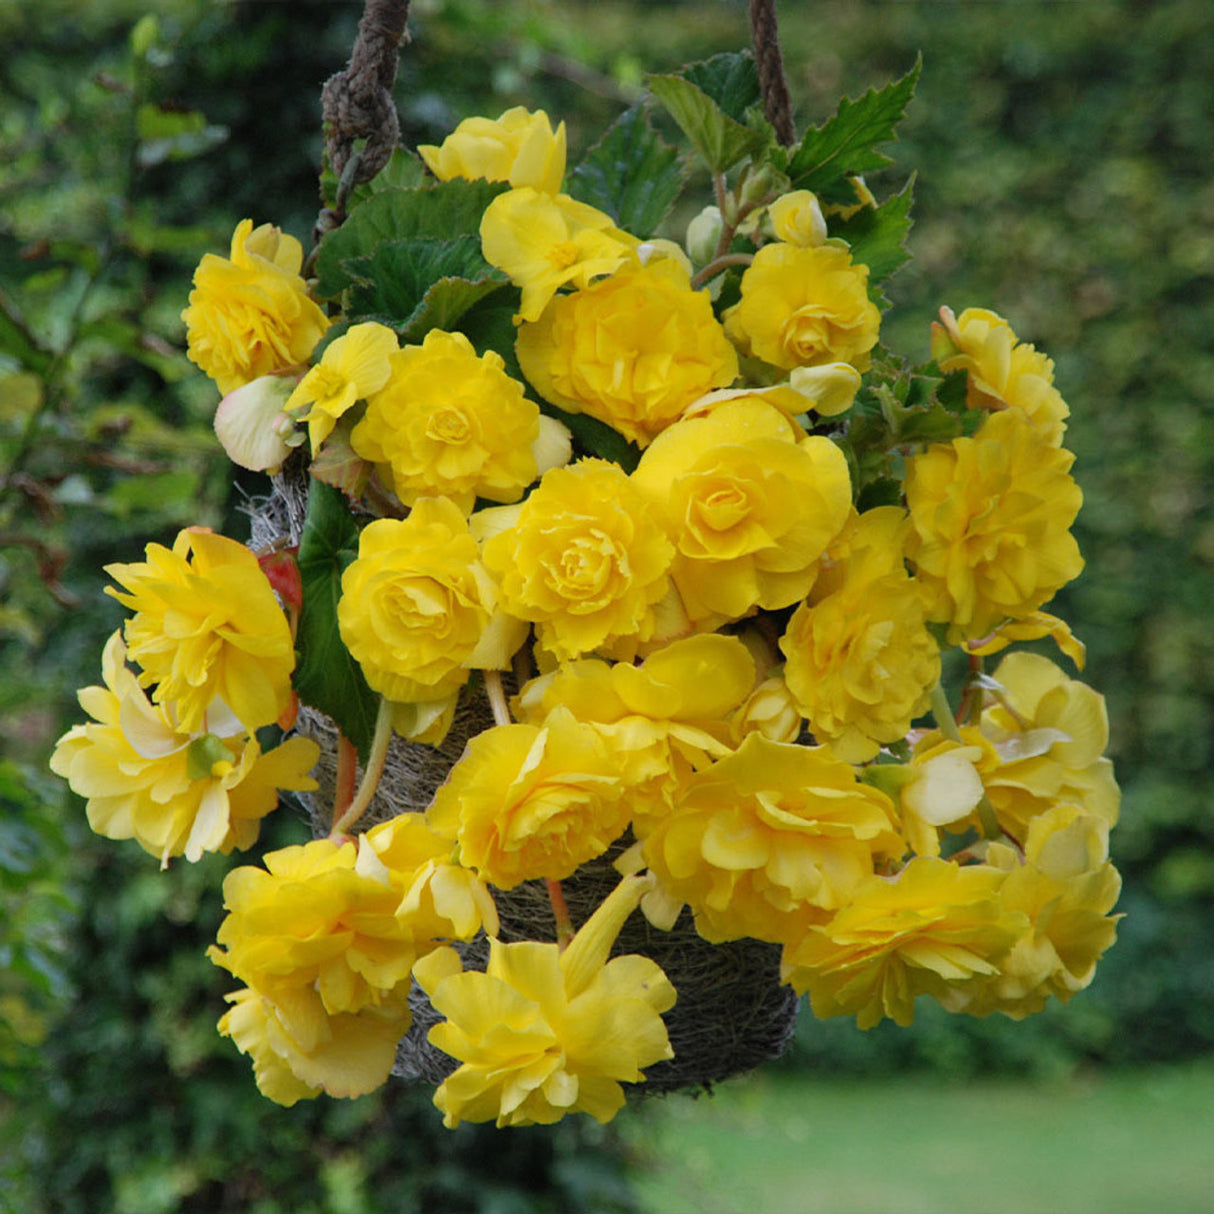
x,y
352,368
418,611
519,147
1065,887
451,423
771,710
797,219
299,1051
659,720
174,792
861,662
207,627
990,524
934,927
750,512
584,559
542,1033
804,307
770,838
1050,732
1003,372
633,350
325,938
543,242
530,801
250,314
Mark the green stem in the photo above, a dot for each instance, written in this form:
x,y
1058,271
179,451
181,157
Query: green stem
x,y
371,774
947,724
942,711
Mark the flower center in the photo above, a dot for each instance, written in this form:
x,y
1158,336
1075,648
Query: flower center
x,y
448,425
327,382
563,254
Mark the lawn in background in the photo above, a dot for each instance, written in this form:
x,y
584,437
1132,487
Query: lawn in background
x,y
1108,1143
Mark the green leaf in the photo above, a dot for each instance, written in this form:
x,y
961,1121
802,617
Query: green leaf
x,y
328,678
877,236
596,437
420,284
402,172
721,139
847,143
731,80
489,325
441,212
632,174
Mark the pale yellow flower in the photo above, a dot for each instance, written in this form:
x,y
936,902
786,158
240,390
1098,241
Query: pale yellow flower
x,y
1050,732
802,307
770,838
1065,887
543,242
991,518
749,510
585,560
940,787
250,314
1003,372
530,801
253,427
174,792
541,1032
418,611
519,147
207,625
861,662
451,423
633,349
931,929
352,368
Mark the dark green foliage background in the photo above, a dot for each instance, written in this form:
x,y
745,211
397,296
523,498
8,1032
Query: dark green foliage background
x,y
1062,153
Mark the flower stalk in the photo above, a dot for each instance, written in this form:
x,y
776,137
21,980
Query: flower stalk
x,y
371,774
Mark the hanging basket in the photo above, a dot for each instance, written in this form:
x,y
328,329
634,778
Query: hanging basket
x,y
732,1014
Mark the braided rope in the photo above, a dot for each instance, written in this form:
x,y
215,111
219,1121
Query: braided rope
x,y
357,103
776,104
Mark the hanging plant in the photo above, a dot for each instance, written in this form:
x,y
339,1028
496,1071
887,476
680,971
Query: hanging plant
x,y
598,610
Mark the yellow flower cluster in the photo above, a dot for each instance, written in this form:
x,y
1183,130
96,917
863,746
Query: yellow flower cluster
x,y
182,772
682,503
325,938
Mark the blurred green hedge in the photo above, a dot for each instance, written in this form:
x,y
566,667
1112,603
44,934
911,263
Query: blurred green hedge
x,y
1062,161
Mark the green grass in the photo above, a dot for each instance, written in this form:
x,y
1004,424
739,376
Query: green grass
x,y
1130,1143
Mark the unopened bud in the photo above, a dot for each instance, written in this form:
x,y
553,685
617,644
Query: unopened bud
x,y
797,219
704,235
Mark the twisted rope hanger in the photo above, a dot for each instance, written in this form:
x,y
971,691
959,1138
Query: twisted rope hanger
x,y
357,103
776,104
